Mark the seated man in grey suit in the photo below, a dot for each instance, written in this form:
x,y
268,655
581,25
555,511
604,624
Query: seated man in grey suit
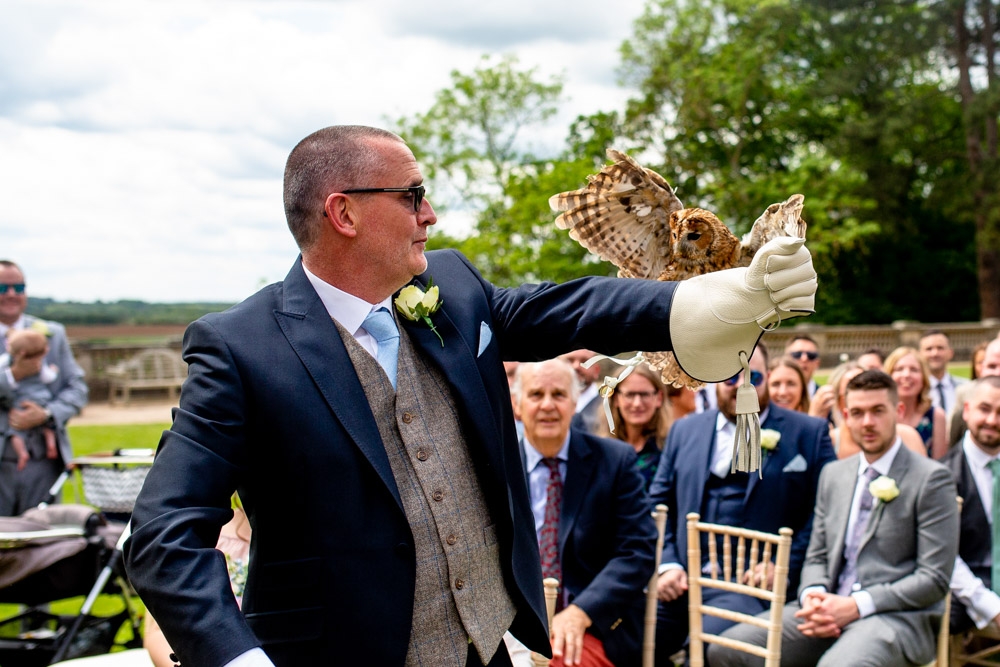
x,y
974,467
884,539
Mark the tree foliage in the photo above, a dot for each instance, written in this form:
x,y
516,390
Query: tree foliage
x,y
847,103
469,141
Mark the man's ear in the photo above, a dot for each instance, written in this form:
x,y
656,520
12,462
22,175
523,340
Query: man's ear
x,y
900,411
340,214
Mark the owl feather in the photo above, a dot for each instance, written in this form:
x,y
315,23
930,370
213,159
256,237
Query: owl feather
x,y
630,216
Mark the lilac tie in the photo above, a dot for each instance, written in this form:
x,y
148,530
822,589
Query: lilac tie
x,y
849,574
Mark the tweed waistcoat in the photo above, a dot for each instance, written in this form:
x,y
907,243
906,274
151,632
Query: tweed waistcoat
x,y
460,594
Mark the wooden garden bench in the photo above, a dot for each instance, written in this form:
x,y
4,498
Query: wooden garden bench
x,y
155,368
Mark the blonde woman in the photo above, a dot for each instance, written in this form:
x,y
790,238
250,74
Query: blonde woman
x,y
912,377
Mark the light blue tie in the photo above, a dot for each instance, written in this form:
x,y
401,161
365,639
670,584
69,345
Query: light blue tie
x,y
382,327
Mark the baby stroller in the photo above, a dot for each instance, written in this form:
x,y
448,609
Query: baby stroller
x,y
55,552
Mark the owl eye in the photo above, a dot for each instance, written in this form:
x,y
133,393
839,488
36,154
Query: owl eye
x,y
694,236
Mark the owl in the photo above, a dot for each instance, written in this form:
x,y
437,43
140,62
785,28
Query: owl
x,y
630,216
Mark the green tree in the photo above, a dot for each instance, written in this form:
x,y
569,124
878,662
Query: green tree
x,y
751,101
468,142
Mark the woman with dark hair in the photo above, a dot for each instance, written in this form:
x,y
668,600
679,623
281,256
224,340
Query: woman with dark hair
x,y
642,419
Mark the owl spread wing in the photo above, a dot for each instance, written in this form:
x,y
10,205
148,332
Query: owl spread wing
x,y
622,216
782,219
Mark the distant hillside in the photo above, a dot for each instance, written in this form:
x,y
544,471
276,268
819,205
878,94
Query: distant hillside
x,y
120,312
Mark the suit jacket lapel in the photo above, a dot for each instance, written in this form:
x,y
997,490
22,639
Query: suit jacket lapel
x,y
313,336
773,421
579,470
840,513
702,455
897,472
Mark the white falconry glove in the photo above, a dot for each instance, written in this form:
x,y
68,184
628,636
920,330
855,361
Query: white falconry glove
x,y
716,320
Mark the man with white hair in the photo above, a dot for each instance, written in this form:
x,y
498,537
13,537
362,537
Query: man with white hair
x,y
595,534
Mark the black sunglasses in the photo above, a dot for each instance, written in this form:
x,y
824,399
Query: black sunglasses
x,y
811,356
18,287
417,192
756,379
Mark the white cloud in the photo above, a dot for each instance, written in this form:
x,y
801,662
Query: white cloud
x,y
142,143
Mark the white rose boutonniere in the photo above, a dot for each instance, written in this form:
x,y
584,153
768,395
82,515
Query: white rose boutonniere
x,y
884,488
417,305
769,439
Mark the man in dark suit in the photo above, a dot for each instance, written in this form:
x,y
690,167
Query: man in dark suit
x,y
606,536
694,476
884,538
975,465
376,454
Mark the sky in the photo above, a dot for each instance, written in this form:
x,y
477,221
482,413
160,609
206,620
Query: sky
x,y
142,142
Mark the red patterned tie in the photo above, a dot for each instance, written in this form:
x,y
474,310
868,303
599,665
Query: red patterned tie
x,y
548,541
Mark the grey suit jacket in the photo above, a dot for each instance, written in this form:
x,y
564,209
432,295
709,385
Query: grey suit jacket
x,y
69,390
907,551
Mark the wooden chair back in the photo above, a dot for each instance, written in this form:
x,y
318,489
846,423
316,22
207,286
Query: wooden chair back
x,y
551,586
649,631
726,573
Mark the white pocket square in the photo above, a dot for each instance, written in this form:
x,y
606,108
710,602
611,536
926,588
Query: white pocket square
x,y
798,464
485,336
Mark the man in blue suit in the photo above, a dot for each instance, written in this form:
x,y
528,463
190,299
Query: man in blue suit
x,y
376,455
694,476
606,535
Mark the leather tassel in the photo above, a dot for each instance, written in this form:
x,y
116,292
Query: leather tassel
x,y
746,447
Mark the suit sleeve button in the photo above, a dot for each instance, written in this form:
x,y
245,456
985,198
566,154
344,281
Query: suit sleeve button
x,y
438,496
407,417
421,454
452,539
459,584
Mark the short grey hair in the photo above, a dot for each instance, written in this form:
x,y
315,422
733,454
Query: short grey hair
x,y
336,158
517,386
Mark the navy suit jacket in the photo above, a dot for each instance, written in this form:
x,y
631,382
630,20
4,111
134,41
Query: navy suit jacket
x,y
607,540
273,407
782,497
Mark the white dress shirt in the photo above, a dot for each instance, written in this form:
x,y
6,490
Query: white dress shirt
x,y
981,604
725,436
350,312
949,384
866,606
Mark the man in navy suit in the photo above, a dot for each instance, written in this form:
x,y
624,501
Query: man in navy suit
x,y
376,456
606,535
694,476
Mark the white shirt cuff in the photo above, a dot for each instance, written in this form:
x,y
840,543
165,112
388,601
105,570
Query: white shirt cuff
x,y
665,567
10,378
255,657
981,604
866,606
